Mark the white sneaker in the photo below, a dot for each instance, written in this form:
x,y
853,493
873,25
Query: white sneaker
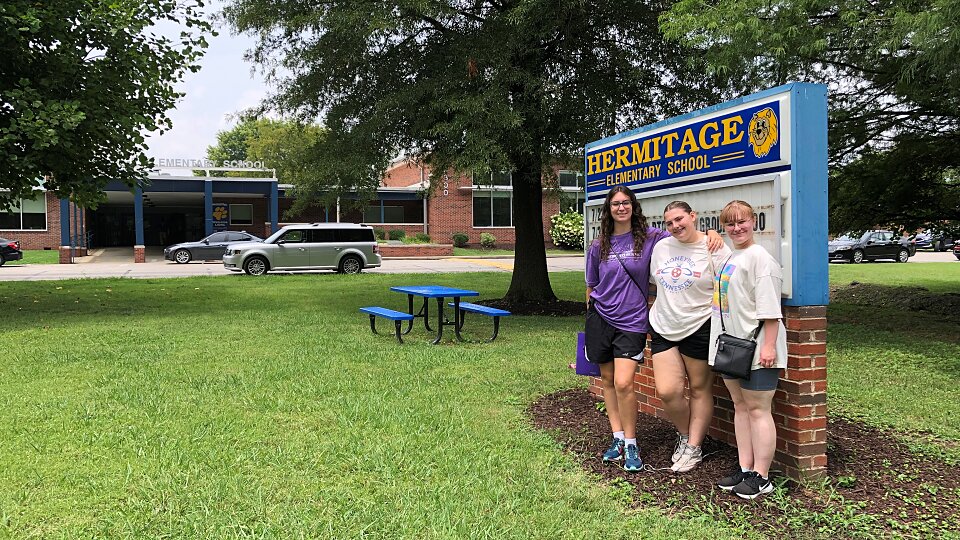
x,y
689,458
678,450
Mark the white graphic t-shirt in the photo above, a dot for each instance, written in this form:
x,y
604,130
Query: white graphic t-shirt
x,y
751,282
684,283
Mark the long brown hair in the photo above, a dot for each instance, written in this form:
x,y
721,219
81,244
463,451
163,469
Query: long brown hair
x,y
638,223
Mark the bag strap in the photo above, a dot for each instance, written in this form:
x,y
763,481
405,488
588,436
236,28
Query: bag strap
x,y
720,293
617,255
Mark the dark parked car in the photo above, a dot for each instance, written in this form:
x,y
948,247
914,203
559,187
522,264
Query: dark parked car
x,y
933,240
210,248
9,251
871,245
956,250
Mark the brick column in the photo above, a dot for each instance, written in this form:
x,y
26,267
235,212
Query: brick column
x,y
799,406
65,253
138,254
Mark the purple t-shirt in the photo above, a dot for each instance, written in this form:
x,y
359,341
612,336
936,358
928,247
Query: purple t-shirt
x,y
615,296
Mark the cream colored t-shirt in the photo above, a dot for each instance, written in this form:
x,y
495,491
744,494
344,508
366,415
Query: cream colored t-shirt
x,y
751,282
684,280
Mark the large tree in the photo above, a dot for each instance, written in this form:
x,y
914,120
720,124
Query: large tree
x,y
80,82
894,89
470,86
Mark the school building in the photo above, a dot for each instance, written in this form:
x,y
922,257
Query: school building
x,y
172,209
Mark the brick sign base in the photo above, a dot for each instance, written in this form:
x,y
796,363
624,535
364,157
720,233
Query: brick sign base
x,y
800,404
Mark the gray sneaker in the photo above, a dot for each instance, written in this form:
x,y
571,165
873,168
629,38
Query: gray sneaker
x,y
689,458
678,449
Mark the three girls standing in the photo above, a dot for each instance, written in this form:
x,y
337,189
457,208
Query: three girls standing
x,y
626,257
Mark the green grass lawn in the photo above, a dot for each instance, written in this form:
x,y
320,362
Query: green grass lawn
x,y
232,407
893,367
38,256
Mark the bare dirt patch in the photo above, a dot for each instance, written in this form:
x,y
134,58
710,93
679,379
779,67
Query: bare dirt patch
x,y
876,486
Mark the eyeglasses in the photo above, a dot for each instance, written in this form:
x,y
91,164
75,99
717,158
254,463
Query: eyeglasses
x,y
618,204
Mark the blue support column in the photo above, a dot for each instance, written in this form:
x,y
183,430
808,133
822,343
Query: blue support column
x,y
64,222
274,206
208,207
382,213
138,214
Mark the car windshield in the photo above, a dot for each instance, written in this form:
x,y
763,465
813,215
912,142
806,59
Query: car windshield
x,y
849,237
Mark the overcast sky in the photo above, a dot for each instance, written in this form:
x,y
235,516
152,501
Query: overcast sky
x,y
223,86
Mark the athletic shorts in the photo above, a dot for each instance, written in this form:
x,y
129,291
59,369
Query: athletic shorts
x,y
762,379
604,342
696,345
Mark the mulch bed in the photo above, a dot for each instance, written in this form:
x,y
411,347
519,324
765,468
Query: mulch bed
x,y
912,495
556,308
904,298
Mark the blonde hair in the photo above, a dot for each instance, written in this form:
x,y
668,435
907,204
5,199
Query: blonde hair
x,y
735,209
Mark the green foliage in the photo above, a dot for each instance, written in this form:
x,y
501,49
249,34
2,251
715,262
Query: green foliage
x,y
488,241
419,238
894,99
397,234
460,240
566,230
469,86
81,82
380,233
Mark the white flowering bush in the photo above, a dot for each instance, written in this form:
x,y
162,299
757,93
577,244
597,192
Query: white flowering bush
x,y
566,230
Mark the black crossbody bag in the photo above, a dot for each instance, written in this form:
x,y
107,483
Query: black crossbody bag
x,y
734,355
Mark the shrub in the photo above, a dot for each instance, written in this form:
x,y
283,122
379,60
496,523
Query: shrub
x,y
488,241
380,233
566,230
422,238
397,234
460,239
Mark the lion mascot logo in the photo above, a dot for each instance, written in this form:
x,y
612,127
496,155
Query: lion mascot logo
x,y
764,132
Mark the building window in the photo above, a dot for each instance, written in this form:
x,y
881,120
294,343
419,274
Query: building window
x,y
492,208
407,212
572,196
241,214
25,215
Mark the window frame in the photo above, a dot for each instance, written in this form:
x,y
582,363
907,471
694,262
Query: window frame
x,y
46,214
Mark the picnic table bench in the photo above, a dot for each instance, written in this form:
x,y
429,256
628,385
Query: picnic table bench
x,y
496,313
396,316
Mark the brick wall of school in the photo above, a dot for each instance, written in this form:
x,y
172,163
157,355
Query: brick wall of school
x,y
799,405
450,210
47,239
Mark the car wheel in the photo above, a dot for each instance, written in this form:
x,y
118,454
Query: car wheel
x,y
2,260
350,265
181,256
903,256
256,266
857,256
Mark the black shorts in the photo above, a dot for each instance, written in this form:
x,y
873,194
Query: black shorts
x,y
696,345
604,342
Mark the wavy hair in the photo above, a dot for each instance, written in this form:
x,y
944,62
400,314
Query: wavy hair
x,y
638,223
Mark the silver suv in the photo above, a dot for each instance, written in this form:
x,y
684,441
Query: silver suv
x,y
344,247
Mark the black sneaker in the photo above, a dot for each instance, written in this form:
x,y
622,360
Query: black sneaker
x,y
753,486
730,481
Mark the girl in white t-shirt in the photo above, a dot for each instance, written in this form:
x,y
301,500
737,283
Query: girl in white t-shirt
x,y
680,319
748,295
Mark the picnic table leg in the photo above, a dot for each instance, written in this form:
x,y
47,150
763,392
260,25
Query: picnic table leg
x,y
439,319
457,318
373,323
425,313
410,311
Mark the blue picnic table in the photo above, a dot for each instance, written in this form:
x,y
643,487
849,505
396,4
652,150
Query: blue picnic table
x,y
440,293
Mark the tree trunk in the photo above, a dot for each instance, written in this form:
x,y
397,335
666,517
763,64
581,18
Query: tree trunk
x,y
530,282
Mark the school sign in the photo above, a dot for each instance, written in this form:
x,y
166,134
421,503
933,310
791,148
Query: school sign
x,y
769,149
